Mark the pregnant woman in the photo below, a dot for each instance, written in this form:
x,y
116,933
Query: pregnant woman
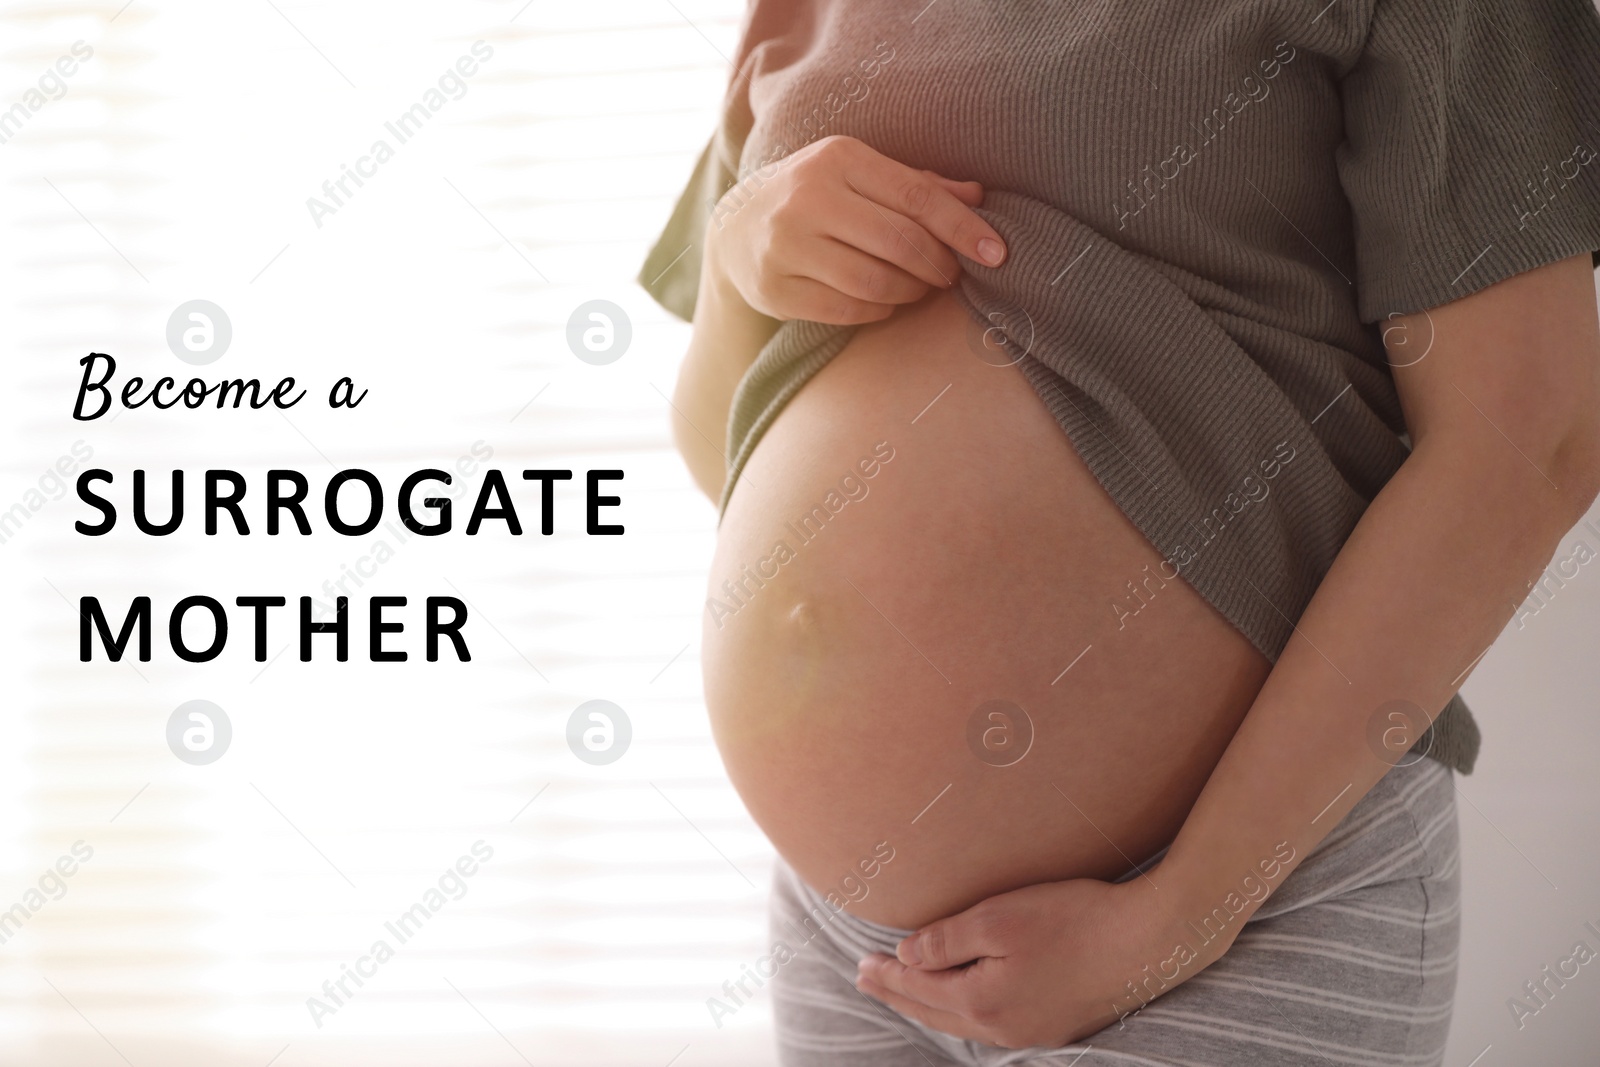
x,y
1131,423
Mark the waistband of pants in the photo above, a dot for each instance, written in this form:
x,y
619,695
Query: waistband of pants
x,y
1384,821
812,914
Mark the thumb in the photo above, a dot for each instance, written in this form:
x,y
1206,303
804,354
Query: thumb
x,y
946,943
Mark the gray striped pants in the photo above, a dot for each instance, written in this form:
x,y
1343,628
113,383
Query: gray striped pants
x,y
1350,963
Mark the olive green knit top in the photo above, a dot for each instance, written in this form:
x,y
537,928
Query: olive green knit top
x,y
1211,209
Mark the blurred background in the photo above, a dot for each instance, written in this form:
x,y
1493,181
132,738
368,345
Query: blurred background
x,y
175,163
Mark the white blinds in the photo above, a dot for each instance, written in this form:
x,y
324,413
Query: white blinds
x,y
176,165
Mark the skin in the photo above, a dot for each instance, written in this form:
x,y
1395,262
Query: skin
x,y
1504,414
837,727
840,234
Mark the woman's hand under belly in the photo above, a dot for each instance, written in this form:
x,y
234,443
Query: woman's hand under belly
x,y
889,565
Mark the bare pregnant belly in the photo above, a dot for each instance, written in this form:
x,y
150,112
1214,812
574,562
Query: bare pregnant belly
x,y
913,668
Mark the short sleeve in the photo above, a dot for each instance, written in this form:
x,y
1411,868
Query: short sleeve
x,y
671,271
1472,146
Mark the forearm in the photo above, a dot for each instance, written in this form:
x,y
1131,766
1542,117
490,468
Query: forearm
x,y
728,335
1427,580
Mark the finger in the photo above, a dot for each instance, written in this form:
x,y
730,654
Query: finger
x,y
807,298
891,236
969,193
961,938
955,1025
953,991
854,273
914,194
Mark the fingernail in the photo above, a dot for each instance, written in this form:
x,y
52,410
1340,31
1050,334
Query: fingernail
x,y
909,951
991,251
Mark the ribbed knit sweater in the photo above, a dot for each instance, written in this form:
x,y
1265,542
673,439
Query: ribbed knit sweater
x,y
1211,209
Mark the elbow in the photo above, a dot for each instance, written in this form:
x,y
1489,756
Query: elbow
x,y
1575,466
1545,467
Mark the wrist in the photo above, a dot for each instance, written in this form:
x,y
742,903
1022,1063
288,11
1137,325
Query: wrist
x,y
1169,939
1216,891
1193,922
